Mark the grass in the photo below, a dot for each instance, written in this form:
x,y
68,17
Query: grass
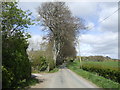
x,y
105,63
98,80
54,70
51,71
35,71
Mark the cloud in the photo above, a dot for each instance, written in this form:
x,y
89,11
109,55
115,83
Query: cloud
x,y
104,44
83,9
105,41
34,42
111,23
90,25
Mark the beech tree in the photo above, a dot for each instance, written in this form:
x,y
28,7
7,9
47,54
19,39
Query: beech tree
x,y
62,28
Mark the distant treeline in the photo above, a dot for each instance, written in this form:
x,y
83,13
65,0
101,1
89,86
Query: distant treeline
x,y
95,58
116,59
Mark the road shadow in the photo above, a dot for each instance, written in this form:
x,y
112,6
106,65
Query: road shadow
x,y
63,66
33,76
40,80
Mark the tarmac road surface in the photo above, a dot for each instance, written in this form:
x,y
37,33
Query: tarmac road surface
x,y
64,78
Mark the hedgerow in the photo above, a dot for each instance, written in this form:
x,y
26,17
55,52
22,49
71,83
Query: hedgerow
x,y
16,66
112,73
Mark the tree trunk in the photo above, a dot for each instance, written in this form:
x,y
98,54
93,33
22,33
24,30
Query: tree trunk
x,y
56,49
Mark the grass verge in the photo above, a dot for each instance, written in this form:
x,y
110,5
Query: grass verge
x,y
54,70
98,80
51,71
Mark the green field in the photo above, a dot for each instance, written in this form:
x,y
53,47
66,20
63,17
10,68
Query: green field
x,y
105,63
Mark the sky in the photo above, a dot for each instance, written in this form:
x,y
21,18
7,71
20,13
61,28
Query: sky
x,y
101,38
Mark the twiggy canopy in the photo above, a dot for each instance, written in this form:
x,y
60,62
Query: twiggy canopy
x,y
62,27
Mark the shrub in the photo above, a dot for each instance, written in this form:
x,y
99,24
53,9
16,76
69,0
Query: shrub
x,y
40,63
15,63
7,80
112,73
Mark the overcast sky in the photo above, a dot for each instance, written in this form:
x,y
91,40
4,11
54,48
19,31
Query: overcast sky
x,y
100,39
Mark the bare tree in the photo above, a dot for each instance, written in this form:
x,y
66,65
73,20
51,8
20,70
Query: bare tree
x,y
62,27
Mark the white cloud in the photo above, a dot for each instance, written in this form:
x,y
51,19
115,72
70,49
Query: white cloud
x,y
34,42
111,23
83,9
90,25
104,44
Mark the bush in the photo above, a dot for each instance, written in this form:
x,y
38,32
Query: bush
x,y
112,73
7,78
43,64
51,64
98,80
15,63
40,63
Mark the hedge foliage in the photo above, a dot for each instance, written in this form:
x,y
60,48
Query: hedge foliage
x,y
112,73
39,63
16,66
96,79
